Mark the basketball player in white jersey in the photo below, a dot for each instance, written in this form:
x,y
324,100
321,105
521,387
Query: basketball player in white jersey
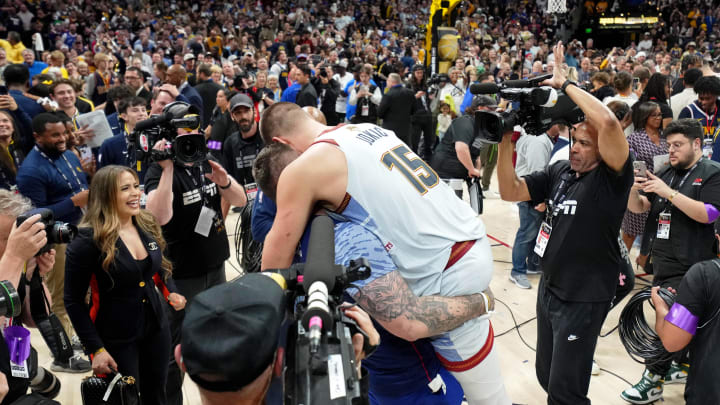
x,y
368,176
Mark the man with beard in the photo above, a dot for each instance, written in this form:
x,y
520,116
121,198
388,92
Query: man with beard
x,y
684,202
242,146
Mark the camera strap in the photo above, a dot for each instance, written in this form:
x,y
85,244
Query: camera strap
x,y
561,194
67,162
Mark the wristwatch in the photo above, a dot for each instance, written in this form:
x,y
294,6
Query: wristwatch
x,y
567,83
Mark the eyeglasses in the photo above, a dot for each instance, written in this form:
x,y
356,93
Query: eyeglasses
x,y
676,145
656,114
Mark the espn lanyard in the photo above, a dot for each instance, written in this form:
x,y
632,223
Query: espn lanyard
x,y
77,179
205,199
672,179
566,180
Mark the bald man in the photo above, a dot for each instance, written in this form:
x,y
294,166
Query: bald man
x,y
177,76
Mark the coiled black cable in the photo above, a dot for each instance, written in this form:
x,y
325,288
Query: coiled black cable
x,y
640,340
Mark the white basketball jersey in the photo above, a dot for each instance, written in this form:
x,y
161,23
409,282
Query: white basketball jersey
x,y
399,198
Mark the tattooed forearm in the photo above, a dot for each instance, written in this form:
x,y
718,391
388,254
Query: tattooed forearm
x,y
391,302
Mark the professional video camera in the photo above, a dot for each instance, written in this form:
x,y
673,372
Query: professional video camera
x,y
57,232
437,81
320,364
190,148
540,108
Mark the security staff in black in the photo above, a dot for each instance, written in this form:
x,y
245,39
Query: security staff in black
x,y
243,145
186,203
683,201
586,198
693,322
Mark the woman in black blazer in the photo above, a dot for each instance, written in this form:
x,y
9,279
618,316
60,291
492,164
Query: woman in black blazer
x,y
118,253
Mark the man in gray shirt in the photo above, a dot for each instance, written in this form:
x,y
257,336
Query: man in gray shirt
x,y
533,154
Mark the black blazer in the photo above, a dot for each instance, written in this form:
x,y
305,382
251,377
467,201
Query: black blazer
x,y
208,92
118,296
307,96
396,109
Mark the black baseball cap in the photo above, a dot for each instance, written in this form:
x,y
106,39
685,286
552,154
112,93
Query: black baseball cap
x,y
231,331
241,99
483,101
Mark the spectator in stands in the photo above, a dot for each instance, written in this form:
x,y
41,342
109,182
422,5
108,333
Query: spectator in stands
x,y
679,101
13,47
63,92
623,83
658,90
177,76
601,86
34,67
135,79
57,62
98,83
11,154
705,110
16,78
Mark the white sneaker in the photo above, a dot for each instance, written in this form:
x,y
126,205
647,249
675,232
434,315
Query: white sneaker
x,y
595,368
490,195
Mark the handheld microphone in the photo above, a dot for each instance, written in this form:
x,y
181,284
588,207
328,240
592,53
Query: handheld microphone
x,y
484,88
319,279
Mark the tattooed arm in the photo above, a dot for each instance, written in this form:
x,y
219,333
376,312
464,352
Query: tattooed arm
x,y
390,301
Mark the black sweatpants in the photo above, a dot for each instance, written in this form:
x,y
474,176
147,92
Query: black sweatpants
x,y
567,333
189,288
146,359
424,127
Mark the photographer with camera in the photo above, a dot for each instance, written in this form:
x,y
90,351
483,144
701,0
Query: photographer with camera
x,y
52,177
188,207
586,198
230,339
19,245
366,98
328,89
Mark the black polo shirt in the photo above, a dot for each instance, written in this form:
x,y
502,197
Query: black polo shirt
x,y
582,258
699,292
192,254
239,155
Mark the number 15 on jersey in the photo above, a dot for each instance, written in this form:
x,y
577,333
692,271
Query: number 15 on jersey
x,y
420,175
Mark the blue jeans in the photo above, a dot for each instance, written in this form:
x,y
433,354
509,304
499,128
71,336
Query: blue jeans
x,y
523,257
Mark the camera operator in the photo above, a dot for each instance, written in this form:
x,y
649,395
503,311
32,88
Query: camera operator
x,y
586,198
18,246
456,157
691,323
422,122
683,202
246,316
328,90
188,208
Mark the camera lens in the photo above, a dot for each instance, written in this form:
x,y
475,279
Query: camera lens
x,y
9,300
61,232
45,383
190,148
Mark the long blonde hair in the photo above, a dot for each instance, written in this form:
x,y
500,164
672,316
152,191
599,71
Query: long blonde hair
x,y
103,218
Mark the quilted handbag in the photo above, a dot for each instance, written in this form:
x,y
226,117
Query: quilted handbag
x,y
111,390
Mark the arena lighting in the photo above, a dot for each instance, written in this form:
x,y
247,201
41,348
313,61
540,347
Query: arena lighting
x,y
627,22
